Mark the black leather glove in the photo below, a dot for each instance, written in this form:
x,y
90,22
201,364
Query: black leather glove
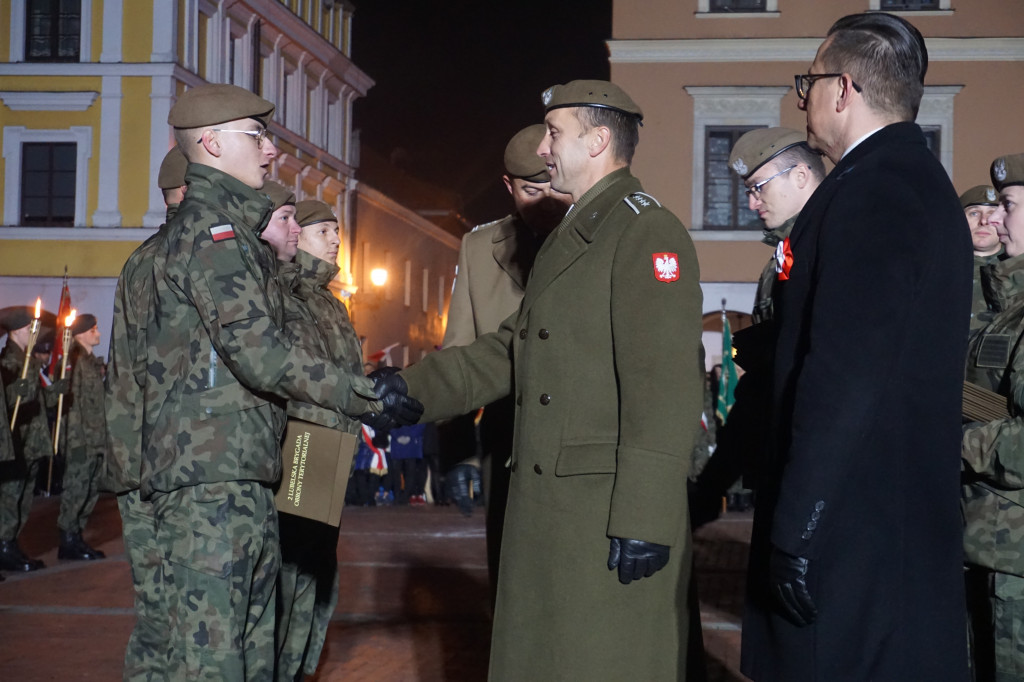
x,y
636,559
788,580
26,388
60,386
399,408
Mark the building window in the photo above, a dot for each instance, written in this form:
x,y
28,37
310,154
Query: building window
x,y
909,5
737,6
933,138
48,183
53,30
935,116
725,201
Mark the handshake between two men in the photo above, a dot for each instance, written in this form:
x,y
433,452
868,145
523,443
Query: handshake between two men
x,y
397,408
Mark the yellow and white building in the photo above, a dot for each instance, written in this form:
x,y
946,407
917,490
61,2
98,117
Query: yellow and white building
x,y
85,89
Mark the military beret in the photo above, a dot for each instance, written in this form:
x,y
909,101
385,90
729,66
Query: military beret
x,y
521,159
1008,170
981,195
16,317
279,194
757,147
172,169
45,342
601,94
82,323
312,211
209,105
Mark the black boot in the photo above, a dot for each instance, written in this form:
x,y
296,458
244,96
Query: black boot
x,y
73,547
13,559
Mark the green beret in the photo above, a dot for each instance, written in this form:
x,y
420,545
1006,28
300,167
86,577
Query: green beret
x,y
521,159
82,323
312,211
172,169
601,94
1008,170
757,147
16,317
981,195
209,105
279,194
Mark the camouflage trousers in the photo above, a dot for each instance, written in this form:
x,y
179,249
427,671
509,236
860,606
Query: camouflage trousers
x,y
996,603
218,580
307,593
81,490
17,486
145,657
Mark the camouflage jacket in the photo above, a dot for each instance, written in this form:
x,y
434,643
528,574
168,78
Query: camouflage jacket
x,y
763,298
993,452
981,312
31,432
87,425
6,442
219,365
315,318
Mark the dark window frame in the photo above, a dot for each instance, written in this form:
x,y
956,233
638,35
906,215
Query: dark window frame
x,y
741,217
736,6
53,193
62,20
908,5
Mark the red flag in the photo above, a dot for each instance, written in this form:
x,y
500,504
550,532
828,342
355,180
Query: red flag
x,y
63,310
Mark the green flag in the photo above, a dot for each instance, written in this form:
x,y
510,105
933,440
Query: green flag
x,y
727,382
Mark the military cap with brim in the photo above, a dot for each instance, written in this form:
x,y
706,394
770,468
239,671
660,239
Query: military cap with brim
x,y
83,323
312,211
1008,170
172,169
980,195
521,159
209,105
587,93
757,147
279,194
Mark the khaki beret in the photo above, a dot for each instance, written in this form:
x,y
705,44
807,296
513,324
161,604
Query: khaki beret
x,y
980,195
82,323
757,147
601,94
172,169
312,211
521,159
279,194
209,105
1008,170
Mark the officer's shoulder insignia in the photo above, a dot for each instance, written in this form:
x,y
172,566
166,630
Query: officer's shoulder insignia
x,y
220,233
666,266
994,351
639,200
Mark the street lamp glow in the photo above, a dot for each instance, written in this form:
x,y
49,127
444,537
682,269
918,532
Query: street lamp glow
x,y
378,276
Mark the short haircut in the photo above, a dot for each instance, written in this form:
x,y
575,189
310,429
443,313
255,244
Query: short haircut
x,y
187,139
801,153
885,55
625,128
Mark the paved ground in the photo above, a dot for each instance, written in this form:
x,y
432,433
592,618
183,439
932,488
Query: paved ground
x,y
413,605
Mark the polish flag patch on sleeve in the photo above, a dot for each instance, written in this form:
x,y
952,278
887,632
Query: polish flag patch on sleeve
x,y
666,267
222,232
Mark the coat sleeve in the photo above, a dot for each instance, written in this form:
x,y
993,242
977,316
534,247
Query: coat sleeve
x,y
235,310
656,336
460,329
125,386
992,450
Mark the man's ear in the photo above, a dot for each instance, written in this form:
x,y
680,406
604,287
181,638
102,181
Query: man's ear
x,y
801,175
845,95
508,183
599,139
211,143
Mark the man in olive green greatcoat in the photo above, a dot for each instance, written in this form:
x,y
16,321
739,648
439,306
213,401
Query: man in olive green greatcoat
x,y
981,204
602,360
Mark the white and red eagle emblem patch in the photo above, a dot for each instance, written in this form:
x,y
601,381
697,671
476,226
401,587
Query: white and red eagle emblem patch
x,y
666,267
222,232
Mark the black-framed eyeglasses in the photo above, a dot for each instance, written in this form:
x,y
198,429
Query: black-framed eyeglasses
x,y
804,81
755,190
258,135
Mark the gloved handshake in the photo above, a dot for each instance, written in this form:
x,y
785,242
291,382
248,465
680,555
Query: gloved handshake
x,y
398,408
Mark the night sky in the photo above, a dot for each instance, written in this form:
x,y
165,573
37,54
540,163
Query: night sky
x,y
455,81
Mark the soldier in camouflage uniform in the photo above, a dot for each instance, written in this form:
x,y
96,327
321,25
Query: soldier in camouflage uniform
x,y
86,441
993,452
980,204
218,369
31,436
126,379
781,173
308,582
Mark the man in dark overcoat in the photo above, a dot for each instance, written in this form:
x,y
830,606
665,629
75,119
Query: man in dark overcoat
x,y
602,361
856,557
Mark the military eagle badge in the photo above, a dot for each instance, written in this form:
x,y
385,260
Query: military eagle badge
x,y
999,169
990,194
222,232
666,267
783,259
